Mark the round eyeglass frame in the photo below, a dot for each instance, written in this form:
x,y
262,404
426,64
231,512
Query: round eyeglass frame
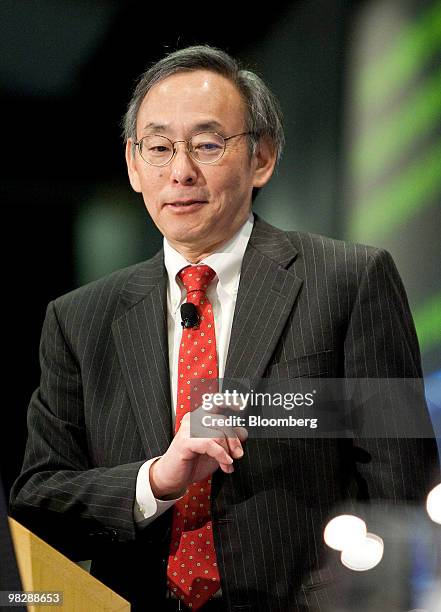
x,y
188,146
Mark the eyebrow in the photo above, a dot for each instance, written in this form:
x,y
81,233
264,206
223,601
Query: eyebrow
x,y
198,127
152,127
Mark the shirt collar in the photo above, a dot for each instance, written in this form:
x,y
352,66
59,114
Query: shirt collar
x,y
226,262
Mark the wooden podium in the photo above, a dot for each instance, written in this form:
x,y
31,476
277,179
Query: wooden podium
x,y
42,568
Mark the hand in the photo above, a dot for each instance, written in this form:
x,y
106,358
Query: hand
x,y
190,459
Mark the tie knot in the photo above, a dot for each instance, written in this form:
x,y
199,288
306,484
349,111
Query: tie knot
x,y
196,278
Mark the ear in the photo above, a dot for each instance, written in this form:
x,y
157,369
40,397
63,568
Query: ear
x,y
264,161
132,166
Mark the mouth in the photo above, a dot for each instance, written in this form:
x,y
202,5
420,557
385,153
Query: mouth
x,y
185,205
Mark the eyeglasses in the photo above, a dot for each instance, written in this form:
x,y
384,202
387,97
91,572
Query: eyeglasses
x,y
205,148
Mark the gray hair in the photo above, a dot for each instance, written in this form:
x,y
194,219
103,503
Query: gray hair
x,y
263,112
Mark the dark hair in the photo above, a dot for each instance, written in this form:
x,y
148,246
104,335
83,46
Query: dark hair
x,y
263,112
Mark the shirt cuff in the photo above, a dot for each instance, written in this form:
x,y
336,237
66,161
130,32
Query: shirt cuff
x,y
147,508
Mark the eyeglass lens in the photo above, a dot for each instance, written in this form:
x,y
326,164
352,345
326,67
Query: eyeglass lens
x,y
205,147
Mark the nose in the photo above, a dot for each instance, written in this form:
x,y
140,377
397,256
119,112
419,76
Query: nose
x,y
183,168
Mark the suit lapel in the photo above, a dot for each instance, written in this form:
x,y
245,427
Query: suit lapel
x,y
140,335
267,292
266,297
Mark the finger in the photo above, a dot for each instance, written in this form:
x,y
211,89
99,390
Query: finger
x,y
234,443
242,433
202,438
216,450
228,469
232,440
231,406
215,447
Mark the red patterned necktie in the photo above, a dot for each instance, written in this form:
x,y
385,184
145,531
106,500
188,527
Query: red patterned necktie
x,y
192,570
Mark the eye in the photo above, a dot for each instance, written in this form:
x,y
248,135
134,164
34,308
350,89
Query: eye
x,y
155,146
208,146
207,143
159,149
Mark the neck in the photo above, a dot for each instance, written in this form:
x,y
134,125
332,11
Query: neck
x,y
196,253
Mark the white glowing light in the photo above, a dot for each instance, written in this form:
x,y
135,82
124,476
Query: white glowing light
x,y
433,504
344,530
363,555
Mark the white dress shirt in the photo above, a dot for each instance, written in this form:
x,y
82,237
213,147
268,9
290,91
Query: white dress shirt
x,y
222,293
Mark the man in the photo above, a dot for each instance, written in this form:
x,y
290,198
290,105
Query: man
x,y
111,471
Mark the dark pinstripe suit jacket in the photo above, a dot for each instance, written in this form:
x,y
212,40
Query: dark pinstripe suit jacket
x,y
308,306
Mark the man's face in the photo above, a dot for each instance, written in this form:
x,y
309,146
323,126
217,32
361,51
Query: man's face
x,y
219,194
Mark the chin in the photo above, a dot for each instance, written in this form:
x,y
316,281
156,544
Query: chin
x,y
198,236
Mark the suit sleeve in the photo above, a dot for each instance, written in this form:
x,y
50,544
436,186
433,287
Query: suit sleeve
x,y
381,342
59,495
